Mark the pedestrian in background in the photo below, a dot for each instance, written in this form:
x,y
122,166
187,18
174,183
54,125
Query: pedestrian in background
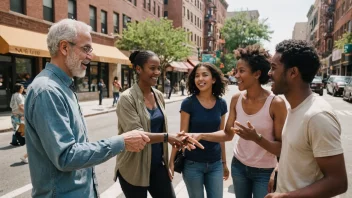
x,y
204,112
61,159
183,86
167,86
311,162
257,116
17,106
116,87
142,107
101,87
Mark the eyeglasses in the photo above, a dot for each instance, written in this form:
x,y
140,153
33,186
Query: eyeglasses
x,y
86,49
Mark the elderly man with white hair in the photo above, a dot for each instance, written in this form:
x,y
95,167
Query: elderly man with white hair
x,y
61,159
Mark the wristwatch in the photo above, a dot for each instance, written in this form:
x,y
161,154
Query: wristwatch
x,y
260,137
166,137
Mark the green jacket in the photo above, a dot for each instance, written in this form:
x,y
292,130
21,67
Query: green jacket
x,y
132,114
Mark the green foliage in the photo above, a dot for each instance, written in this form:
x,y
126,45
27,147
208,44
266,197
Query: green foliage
x,y
159,36
346,38
229,62
241,31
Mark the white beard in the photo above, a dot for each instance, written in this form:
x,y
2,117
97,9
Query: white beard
x,y
74,65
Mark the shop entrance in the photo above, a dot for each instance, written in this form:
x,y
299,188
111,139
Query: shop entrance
x,y
6,85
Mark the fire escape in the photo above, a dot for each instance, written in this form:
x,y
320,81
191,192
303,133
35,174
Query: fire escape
x,y
327,26
210,26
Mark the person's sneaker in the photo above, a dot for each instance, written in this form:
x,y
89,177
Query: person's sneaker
x,y
24,160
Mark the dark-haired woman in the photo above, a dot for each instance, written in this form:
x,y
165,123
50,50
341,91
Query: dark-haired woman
x,y
204,112
142,108
258,117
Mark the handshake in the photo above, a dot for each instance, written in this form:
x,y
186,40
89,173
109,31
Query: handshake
x,y
135,141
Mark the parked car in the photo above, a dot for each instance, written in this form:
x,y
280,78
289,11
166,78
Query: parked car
x,y
347,92
336,84
317,85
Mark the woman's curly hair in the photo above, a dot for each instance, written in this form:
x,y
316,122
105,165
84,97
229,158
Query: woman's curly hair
x,y
219,87
257,58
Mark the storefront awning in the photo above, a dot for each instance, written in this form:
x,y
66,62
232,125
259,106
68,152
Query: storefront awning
x,y
193,62
109,54
189,66
19,41
177,66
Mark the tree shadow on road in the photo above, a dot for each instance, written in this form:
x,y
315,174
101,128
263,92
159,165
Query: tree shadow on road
x,y
17,164
8,147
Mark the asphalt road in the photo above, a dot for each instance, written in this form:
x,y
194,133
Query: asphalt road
x,y
14,175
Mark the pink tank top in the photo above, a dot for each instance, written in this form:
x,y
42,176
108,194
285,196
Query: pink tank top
x,y
248,152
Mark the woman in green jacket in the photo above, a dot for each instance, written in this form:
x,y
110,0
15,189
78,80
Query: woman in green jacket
x,y
142,107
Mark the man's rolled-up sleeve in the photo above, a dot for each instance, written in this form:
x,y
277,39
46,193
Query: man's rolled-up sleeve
x,y
50,118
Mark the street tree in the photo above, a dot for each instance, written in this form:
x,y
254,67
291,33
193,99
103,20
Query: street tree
x,y
159,36
345,39
241,30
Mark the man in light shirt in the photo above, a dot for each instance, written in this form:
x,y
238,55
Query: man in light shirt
x,y
312,161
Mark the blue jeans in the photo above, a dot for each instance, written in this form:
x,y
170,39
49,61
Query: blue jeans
x,y
249,180
210,175
116,96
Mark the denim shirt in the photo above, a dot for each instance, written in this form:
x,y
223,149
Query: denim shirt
x,y
60,157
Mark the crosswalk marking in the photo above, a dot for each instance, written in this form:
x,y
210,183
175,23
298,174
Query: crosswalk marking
x,y
344,112
348,112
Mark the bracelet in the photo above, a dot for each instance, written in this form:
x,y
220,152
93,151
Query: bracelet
x,y
166,137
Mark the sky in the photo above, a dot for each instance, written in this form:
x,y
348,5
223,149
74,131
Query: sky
x,y
282,15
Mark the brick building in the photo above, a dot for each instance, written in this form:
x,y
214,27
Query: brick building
x,y
24,25
341,63
300,31
215,15
189,15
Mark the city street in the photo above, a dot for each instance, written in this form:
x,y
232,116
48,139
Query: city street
x,y
15,180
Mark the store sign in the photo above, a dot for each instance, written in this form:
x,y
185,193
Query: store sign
x,y
208,58
27,51
348,48
336,54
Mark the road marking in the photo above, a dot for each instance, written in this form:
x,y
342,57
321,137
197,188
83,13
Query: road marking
x,y
348,112
18,191
340,112
113,191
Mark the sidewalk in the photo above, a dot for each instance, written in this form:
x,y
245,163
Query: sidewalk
x,y
89,108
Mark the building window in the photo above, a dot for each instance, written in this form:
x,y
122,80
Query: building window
x,y
72,10
17,6
187,14
191,17
48,11
135,3
116,19
184,11
166,14
89,83
126,20
93,17
104,26
154,8
200,23
200,6
149,5
144,3
166,2
158,11
191,36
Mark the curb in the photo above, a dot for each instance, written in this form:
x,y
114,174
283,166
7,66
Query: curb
x,y
94,114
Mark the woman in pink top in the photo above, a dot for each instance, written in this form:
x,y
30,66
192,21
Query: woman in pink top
x,y
258,117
